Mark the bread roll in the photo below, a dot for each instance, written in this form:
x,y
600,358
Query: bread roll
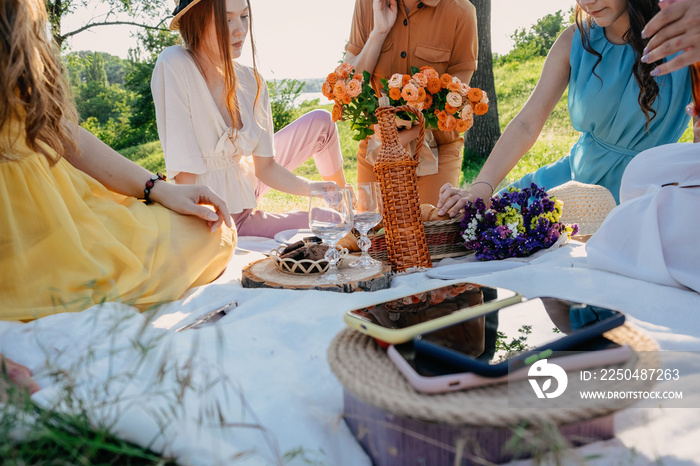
x,y
429,213
349,242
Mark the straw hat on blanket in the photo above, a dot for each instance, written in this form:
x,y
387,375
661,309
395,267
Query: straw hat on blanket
x,y
584,204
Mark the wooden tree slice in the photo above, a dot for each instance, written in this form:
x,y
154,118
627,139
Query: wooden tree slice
x,y
264,274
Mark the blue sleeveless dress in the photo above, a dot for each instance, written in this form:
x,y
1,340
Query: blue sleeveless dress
x,y
607,113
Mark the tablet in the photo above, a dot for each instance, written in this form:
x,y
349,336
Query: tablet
x,y
430,375
400,320
503,340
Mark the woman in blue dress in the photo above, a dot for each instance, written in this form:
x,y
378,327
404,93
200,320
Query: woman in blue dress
x,y
615,100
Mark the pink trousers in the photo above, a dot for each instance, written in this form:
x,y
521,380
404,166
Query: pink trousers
x,y
312,135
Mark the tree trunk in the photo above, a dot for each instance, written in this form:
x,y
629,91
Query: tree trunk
x,y
483,136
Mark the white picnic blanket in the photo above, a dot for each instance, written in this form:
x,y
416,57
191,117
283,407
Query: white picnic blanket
x,y
256,386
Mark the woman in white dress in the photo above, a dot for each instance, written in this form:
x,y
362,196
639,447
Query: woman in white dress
x,y
215,122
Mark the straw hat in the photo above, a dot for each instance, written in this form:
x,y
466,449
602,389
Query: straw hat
x,y
584,204
181,7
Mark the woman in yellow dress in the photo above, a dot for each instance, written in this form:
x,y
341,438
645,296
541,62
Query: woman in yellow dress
x,y
73,230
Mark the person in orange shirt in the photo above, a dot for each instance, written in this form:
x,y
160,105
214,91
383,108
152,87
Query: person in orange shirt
x,y
391,36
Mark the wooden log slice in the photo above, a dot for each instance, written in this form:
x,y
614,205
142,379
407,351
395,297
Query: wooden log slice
x,y
264,274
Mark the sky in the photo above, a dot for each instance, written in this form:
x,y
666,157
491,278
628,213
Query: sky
x,y
305,39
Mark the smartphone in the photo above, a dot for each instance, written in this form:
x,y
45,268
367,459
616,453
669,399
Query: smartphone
x,y
400,320
507,339
431,375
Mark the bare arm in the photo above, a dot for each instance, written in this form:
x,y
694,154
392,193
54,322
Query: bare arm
x,y
123,176
522,131
17,374
385,13
277,177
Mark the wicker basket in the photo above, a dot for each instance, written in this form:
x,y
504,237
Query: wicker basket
x,y
442,236
395,169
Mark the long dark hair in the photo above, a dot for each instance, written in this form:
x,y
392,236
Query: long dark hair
x,y
640,12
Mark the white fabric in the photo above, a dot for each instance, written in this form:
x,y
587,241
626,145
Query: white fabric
x,y
269,357
195,136
653,234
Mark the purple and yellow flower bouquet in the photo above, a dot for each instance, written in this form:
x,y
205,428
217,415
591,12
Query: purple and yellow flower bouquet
x,y
519,223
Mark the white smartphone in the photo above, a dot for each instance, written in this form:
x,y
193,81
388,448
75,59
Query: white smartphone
x,y
427,374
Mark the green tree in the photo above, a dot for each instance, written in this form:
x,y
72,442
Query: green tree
x,y
538,39
143,14
283,95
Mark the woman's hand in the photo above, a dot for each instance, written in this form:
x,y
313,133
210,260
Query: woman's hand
x,y
18,375
452,199
676,27
322,185
385,14
193,200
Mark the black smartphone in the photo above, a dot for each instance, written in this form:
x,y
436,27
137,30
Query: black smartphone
x,y
509,338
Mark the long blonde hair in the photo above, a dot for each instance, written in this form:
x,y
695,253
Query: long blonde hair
x,y
193,25
32,85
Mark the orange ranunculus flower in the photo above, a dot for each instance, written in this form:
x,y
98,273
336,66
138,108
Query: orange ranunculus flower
x,y
326,89
428,102
429,72
354,88
445,79
465,125
346,99
441,115
332,78
450,123
421,94
339,89
405,79
475,94
449,109
337,112
481,108
441,125
434,85
409,93
394,93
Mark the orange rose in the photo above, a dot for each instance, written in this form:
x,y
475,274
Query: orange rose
x,y
464,125
332,78
394,93
339,89
358,77
441,125
449,109
346,99
445,79
405,79
481,108
420,79
409,93
337,112
326,89
428,102
354,88
455,87
450,123
442,115
421,94
475,94
434,85
429,72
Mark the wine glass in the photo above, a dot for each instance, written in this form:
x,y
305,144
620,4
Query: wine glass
x,y
330,218
367,207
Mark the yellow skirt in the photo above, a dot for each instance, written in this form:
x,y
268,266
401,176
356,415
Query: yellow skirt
x,y
67,243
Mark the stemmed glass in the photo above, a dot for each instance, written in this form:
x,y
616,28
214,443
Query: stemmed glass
x,y
367,207
330,218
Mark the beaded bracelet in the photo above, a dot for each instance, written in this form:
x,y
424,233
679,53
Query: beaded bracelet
x,y
149,185
486,183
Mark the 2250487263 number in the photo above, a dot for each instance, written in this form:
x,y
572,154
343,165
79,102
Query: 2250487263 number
x,y
639,374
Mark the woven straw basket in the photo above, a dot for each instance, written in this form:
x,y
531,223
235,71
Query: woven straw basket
x,y
584,204
395,169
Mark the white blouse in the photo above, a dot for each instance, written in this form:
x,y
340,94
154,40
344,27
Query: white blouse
x,y
195,137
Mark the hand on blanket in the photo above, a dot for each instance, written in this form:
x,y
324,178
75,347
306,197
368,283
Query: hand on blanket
x,y
17,374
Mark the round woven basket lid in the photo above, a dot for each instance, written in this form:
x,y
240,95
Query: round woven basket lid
x,y
364,369
584,204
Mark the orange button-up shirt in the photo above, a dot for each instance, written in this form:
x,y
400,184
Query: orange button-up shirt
x,y
437,33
